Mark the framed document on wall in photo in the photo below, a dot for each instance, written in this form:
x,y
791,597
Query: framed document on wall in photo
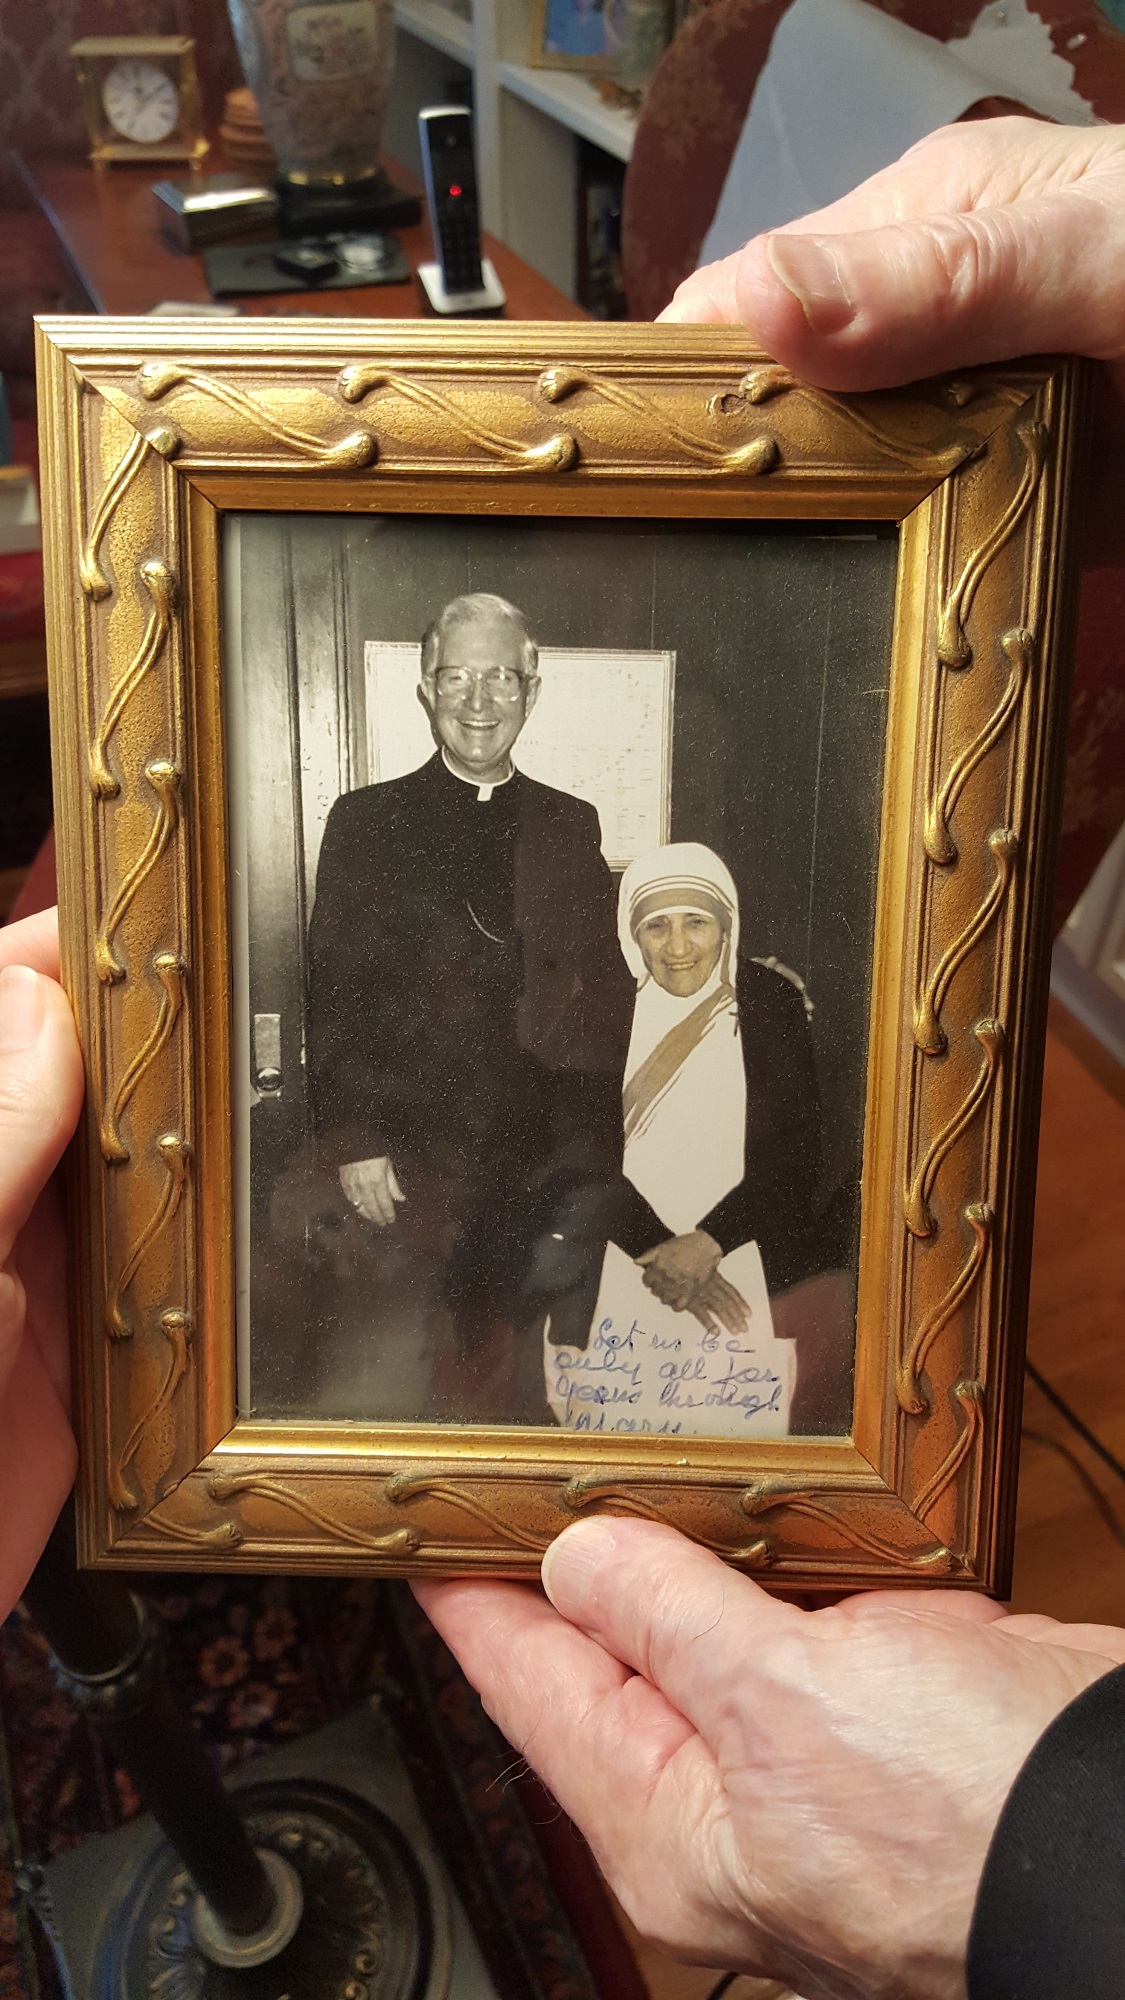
x,y
555,832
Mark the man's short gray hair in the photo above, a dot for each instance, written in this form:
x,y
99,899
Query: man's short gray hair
x,y
477,607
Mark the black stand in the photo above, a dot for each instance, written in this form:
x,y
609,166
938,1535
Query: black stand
x,y
300,1887
316,208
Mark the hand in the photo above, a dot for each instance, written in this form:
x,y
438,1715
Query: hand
x,y
805,1795
718,1304
676,1269
683,1273
999,237
40,1098
372,1187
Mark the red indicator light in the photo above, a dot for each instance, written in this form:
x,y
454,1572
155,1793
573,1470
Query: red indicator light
x,y
454,191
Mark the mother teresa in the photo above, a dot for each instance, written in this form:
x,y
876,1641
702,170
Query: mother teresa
x,y
720,1103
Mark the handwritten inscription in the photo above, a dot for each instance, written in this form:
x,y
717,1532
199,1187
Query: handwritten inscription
x,y
649,1369
604,1387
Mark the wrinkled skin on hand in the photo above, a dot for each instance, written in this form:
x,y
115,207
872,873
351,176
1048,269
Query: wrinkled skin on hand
x,y
984,241
40,1098
804,1795
810,1795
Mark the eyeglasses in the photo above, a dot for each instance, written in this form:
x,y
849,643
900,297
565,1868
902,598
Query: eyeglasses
x,y
503,683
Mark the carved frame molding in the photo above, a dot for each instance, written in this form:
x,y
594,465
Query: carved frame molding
x,y
150,433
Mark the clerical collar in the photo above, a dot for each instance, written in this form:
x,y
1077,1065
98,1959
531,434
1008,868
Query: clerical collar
x,y
484,792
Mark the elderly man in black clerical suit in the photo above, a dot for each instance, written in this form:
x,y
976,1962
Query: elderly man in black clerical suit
x,y
468,1010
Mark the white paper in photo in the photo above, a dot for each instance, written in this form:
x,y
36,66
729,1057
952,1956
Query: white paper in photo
x,y
649,1369
601,728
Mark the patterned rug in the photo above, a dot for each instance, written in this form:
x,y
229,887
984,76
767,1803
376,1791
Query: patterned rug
x,y
260,1661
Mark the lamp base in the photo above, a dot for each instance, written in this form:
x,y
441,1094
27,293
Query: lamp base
x,y
318,208
365,1920
380,1920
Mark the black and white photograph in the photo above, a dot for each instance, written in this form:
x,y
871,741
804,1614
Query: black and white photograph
x,y
553,862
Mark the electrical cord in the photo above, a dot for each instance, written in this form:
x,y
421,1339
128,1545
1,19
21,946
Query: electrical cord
x,y
724,1986
1093,1490
1074,1420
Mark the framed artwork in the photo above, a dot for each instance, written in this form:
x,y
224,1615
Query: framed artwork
x,y
572,34
555,832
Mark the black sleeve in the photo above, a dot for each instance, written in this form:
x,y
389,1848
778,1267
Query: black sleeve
x,y
1049,1922
634,1226
605,987
775,1203
577,1002
353,995
335,999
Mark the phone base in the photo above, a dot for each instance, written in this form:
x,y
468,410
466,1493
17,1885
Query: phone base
x,y
490,299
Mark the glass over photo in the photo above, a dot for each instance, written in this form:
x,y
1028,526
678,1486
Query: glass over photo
x,y
553,864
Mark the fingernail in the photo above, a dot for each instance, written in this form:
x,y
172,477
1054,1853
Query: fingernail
x,y
809,268
570,1561
23,1006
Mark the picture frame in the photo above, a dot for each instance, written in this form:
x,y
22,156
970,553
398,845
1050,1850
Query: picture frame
x,y
156,438
572,35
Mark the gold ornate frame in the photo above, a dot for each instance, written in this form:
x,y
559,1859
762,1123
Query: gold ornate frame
x,y
149,433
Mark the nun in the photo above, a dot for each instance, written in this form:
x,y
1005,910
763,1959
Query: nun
x,y
721,1113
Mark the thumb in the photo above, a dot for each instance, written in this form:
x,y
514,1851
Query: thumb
x,y
869,308
648,1596
40,1091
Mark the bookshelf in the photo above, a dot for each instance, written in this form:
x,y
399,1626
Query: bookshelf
x,y
438,27
529,122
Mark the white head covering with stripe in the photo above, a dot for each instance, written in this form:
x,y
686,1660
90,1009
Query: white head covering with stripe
x,y
685,1082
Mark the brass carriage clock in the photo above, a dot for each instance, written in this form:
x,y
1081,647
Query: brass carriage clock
x,y
140,97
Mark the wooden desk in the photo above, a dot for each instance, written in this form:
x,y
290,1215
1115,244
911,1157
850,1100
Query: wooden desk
x,y
106,220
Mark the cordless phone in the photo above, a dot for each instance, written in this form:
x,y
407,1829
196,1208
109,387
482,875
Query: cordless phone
x,y
461,281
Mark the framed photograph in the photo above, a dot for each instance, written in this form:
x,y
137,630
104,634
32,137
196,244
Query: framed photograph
x,y
555,829
572,34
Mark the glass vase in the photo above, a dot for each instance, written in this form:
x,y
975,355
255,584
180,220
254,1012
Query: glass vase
x,y
320,72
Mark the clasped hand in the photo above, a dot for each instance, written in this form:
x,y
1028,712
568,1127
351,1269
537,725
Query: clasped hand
x,y
684,1274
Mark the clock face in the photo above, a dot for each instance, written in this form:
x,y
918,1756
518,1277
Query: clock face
x,y
140,101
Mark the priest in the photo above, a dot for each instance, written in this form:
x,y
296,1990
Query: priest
x,y
468,1010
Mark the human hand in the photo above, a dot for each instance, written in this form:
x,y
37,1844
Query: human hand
x,y
805,1795
372,1187
719,1305
683,1273
999,237
40,1098
677,1268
